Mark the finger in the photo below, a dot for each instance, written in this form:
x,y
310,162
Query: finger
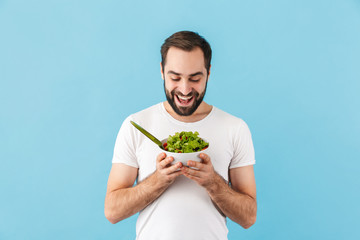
x,y
195,178
166,161
191,172
197,165
176,174
160,157
174,168
205,158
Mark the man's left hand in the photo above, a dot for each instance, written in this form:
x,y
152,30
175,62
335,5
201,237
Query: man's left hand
x,y
204,174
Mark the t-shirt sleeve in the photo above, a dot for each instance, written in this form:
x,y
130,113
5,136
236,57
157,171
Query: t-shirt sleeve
x,y
244,153
125,145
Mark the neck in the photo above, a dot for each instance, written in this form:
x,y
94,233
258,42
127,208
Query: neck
x,y
201,112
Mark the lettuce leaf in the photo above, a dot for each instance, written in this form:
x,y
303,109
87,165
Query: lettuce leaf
x,y
185,142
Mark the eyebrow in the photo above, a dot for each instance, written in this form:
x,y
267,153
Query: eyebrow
x,y
191,75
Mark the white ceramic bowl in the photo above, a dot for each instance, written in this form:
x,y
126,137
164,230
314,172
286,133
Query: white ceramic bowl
x,y
184,157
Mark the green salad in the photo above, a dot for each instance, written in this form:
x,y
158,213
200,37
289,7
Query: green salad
x,y
185,142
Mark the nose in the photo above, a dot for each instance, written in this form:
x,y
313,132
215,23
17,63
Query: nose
x,y
184,87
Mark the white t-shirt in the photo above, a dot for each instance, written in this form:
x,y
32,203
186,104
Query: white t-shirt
x,y
184,210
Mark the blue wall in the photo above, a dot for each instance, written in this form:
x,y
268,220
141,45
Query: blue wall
x,y
71,71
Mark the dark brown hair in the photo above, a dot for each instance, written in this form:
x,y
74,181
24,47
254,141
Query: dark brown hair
x,y
187,41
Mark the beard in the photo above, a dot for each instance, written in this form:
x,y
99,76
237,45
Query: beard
x,y
185,111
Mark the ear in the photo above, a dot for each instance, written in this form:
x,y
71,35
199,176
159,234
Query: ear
x,y
162,71
209,72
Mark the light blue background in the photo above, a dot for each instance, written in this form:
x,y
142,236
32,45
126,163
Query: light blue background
x,y
71,71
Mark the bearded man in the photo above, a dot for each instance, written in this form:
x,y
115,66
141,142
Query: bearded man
x,y
192,203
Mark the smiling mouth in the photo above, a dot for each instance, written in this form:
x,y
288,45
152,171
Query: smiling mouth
x,y
184,100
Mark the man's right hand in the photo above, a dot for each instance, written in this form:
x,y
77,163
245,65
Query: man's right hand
x,y
165,172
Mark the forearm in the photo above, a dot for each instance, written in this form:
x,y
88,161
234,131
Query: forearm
x,y
125,202
239,207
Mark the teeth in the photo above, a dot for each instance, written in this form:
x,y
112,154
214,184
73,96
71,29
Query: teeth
x,y
184,98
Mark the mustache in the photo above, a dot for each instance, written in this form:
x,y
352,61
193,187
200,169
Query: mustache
x,y
191,94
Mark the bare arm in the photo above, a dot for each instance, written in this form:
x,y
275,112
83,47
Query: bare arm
x,y
123,200
237,202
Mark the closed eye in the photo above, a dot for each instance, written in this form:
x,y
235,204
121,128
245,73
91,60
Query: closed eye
x,y
194,80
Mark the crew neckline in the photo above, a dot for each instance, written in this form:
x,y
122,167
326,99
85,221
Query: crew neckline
x,y
173,120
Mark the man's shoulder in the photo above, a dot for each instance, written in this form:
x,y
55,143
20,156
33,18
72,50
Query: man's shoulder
x,y
230,124
146,114
228,118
